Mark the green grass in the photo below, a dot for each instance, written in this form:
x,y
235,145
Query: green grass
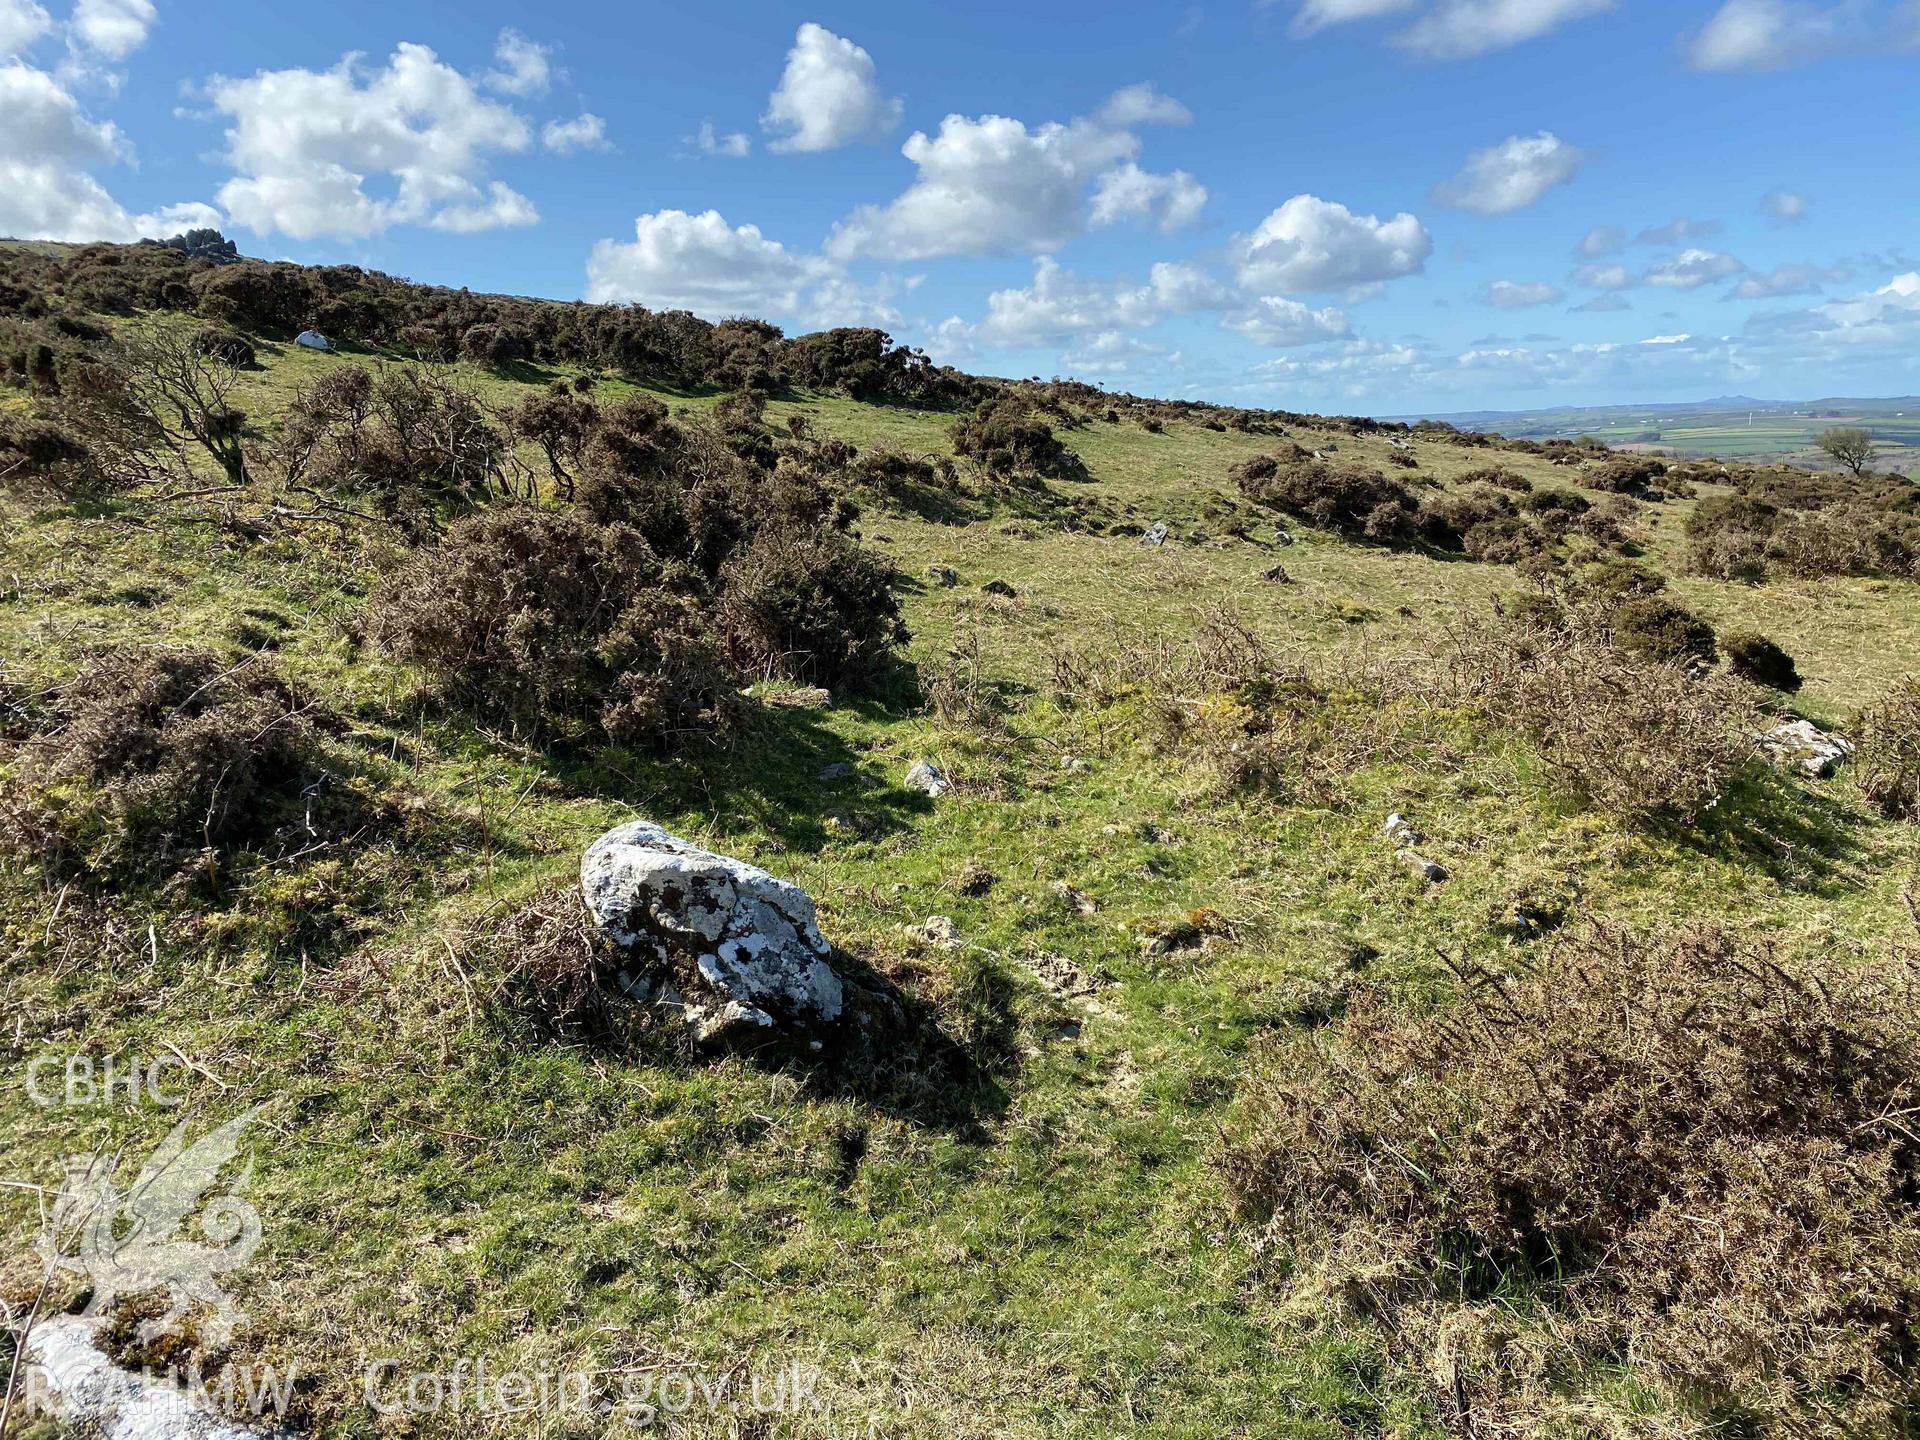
x,y
1044,1249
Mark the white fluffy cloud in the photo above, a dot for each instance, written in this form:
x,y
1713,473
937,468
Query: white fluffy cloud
x,y
1459,29
304,142
1109,353
1282,323
1515,295
21,23
840,300
112,28
1182,289
678,261
1141,104
523,67
1059,305
708,141
1778,34
1454,29
829,95
1691,269
993,186
1783,206
46,190
1310,244
1511,175
1130,193
583,132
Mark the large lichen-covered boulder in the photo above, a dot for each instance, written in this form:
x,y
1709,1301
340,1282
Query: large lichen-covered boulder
x,y
1801,745
739,948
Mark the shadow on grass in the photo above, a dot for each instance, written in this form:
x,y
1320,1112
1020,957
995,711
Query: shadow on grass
x,y
900,1056
789,776
1767,822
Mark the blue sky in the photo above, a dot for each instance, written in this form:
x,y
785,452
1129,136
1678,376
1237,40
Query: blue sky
x,y
1382,206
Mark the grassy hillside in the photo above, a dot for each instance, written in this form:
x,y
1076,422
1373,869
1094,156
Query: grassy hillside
x,y
1016,1225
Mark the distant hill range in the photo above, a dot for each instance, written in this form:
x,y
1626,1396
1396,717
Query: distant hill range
x,y
1733,426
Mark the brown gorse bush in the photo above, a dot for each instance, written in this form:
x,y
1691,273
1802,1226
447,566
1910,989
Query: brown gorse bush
x,y
1008,440
409,439
808,603
1887,753
157,755
566,629
1686,1154
1647,740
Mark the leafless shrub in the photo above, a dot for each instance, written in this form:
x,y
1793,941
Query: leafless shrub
x,y
960,691
151,410
1689,1152
409,438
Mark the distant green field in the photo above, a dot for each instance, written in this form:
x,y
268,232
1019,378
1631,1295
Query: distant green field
x,y
1767,436
1760,431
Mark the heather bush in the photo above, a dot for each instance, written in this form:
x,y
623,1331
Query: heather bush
x,y
1686,1149
1624,474
808,603
1756,658
223,346
1742,537
1348,500
47,455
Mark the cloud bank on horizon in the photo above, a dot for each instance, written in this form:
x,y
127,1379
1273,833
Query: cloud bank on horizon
x,y
1332,204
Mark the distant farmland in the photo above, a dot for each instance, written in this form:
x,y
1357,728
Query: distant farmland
x,y
1735,428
